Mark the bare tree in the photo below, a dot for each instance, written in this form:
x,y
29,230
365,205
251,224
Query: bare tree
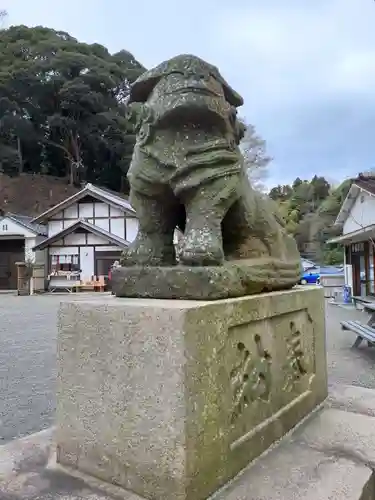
x,y
3,16
256,160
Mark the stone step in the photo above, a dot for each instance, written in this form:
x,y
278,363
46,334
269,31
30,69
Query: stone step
x,y
297,472
352,398
331,456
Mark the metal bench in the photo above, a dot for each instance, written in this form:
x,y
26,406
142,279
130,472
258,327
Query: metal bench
x,y
364,332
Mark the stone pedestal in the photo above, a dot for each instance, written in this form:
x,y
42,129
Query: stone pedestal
x,y
171,399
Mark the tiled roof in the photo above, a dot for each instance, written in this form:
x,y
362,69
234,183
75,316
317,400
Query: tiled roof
x,y
366,182
103,194
26,222
112,195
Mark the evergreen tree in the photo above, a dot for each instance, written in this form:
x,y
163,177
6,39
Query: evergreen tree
x,y
62,106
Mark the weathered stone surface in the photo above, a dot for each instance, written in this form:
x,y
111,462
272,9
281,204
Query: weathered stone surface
x,y
345,433
27,472
308,464
33,450
170,399
236,279
187,171
294,472
289,472
352,398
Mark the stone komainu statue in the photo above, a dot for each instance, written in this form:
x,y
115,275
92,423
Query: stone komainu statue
x,y
187,171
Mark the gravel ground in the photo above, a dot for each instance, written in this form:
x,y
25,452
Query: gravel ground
x,y
28,370
28,329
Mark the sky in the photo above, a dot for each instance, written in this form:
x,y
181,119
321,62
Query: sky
x,y
305,68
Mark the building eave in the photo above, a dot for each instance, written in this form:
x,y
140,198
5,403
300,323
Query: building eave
x,y
349,201
347,205
91,190
120,242
361,234
20,225
16,219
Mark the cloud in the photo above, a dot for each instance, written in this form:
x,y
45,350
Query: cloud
x,y
305,69
310,73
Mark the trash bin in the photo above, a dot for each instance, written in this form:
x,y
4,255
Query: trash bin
x,y
347,295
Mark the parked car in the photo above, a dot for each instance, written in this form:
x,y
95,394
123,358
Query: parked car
x,y
307,264
310,276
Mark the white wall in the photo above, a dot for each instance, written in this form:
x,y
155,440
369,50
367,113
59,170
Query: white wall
x,y
30,255
111,219
118,227
67,223
41,256
115,212
86,256
86,253
131,229
102,223
86,210
58,243
11,228
71,212
93,239
101,209
362,213
75,239
108,248
63,251
54,227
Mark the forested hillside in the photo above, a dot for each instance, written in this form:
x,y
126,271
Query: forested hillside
x,y
62,109
32,194
310,209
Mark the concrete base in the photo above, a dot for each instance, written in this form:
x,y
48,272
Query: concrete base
x,y
330,456
171,399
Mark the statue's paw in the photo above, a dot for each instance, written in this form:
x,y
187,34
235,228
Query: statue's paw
x,y
140,258
202,248
146,253
202,257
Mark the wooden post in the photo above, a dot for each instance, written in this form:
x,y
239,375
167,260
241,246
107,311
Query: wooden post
x,y
22,279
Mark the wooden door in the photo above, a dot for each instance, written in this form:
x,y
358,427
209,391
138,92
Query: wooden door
x,y
11,251
356,274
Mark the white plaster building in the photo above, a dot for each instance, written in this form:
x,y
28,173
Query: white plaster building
x,y
18,236
86,233
357,220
